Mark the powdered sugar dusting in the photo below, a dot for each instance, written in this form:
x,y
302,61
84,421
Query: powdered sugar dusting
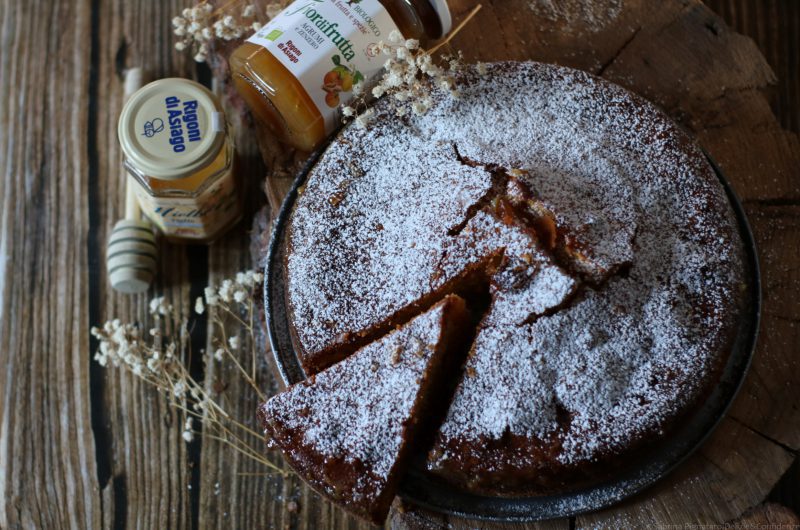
x,y
589,374
578,14
624,359
359,408
368,231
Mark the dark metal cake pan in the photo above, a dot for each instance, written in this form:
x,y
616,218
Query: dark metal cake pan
x,y
658,460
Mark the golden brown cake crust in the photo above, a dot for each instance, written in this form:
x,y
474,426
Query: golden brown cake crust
x,y
563,379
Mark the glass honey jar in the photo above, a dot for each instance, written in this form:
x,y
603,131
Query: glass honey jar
x,y
181,157
296,71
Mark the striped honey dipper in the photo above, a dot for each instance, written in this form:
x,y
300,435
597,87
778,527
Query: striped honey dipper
x,y
131,255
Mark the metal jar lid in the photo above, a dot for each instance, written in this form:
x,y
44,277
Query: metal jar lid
x,y
171,128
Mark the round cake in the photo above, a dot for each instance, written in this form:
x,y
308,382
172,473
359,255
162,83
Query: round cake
x,y
590,236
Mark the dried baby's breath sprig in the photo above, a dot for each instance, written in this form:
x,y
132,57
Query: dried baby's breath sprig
x,y
410,75
161,359
198,26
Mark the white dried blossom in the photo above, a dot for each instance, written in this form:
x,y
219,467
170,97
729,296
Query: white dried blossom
x,y
384,47
392,79
378,91
179,389
211,296
158,306
197,27
163,360
188,433
348,111
226,290
363,119
240,296
395,37
410,76
153,364
402,95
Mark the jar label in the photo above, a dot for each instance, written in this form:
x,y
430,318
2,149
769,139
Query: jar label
x,y
198,217
329,46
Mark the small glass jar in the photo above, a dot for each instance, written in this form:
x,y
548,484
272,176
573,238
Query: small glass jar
x,y
296,71
177,148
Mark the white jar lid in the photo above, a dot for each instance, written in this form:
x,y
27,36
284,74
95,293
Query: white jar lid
x,y
443,11
171,128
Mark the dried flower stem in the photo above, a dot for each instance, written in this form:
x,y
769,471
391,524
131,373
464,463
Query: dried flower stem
x,y
457,29
409,78
164,362
199,27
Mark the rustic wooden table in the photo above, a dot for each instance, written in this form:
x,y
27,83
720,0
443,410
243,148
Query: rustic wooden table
x,y
81,447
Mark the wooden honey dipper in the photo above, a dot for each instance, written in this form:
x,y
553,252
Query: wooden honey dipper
x,y
131,255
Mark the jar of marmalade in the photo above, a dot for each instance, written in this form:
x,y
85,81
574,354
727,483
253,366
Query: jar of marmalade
x,y
296,71
178,151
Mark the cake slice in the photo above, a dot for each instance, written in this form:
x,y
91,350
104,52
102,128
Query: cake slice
x,y
348,431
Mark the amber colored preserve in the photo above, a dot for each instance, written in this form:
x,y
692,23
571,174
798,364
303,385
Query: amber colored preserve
x,y
281,70
181,160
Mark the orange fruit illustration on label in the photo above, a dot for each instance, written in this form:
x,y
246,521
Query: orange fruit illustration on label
x,y
339,79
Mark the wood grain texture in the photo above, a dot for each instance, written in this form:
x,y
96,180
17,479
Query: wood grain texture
x,y
47,460
769,514
144,464
775,27
82,447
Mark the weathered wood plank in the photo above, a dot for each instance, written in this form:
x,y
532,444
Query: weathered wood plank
x,y
119,460
716,485
144,463
768,402
47,460
775,27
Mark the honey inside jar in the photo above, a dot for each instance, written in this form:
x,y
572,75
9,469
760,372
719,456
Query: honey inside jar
x,y
287,72
181,160
193,182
